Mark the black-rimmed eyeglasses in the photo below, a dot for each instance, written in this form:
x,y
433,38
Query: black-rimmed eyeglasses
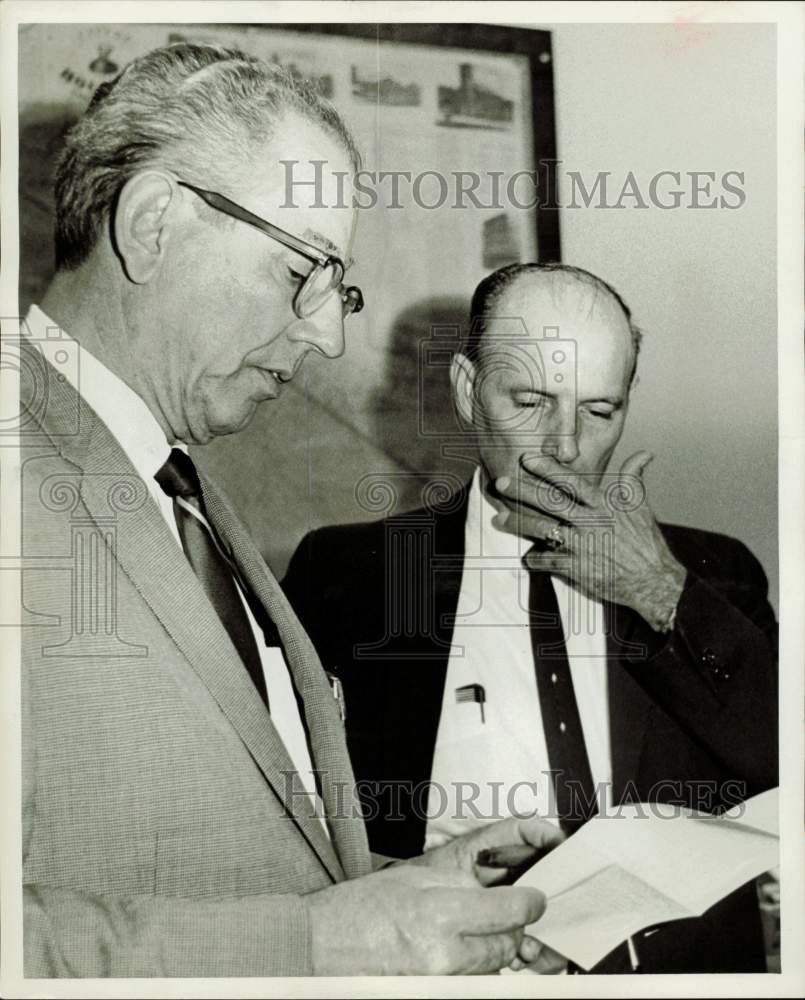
x,y
327,274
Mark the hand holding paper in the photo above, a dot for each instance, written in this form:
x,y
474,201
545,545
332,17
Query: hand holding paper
x,y
644,864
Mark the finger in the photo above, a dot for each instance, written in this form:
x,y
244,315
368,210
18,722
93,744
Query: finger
x,y
527,523
548,962
530,950
539,957
541,495
635,465
548,562
514,907
487,911
578,486
494,876
481,955
540,833
436,869
526,829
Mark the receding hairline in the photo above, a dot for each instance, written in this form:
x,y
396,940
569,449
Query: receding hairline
x,y
561,292
578,296
560,286
485,305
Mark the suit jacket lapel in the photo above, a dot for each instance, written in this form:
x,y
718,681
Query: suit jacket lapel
x,y
324,725
449,557
128,518
414,689
629,705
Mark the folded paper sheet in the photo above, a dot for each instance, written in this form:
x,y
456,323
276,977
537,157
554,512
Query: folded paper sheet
x,y
641,865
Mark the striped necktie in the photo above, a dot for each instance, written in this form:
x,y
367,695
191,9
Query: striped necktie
x,y
206,553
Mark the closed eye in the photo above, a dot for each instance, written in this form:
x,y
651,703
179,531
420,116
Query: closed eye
x,y
530,402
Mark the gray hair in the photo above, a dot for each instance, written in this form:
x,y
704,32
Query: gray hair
x,y
487,296
192,109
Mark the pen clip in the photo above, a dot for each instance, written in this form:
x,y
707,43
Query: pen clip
x,y
338,693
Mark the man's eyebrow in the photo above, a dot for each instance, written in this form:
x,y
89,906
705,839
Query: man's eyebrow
x,y
327,245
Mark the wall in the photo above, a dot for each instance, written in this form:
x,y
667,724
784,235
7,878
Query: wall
x,y
701,283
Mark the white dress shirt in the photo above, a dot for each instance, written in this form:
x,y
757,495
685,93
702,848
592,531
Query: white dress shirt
x,y
142,439
490,768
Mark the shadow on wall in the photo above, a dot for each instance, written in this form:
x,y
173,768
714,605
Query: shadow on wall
x,y
41,135
413,417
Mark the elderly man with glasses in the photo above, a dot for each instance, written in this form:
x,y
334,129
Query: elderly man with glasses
x,y
188,803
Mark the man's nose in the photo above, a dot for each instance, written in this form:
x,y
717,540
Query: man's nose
x,y
559,438
323,329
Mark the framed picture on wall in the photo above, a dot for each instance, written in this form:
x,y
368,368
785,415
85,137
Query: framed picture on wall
x,y
455,124
453,116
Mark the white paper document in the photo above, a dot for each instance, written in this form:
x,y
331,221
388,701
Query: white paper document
x,y
641,864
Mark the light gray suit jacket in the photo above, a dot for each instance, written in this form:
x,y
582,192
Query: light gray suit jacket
x,y
162,835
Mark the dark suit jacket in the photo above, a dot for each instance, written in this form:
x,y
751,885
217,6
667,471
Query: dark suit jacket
x,y
691,713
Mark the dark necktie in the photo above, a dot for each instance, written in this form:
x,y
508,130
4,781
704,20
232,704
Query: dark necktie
x,y
567,753
205,552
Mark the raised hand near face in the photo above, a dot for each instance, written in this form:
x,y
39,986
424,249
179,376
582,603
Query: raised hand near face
x,y
600,536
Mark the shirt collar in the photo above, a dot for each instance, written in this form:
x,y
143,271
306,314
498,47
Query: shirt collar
x,y
125,414
482,537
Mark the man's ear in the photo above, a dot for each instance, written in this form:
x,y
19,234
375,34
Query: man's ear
x,y
462,381
141,226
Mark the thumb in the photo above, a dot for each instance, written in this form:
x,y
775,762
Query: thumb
x,y
499,909
635,465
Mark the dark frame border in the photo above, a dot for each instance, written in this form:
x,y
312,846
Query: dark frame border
x,y
535,45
